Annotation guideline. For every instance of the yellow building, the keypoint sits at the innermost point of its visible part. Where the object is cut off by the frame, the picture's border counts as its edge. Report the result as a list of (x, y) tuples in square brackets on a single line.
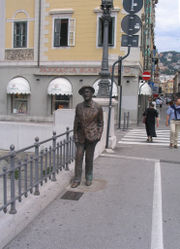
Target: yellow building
[(52, 48), (167, 87), (75, 21)]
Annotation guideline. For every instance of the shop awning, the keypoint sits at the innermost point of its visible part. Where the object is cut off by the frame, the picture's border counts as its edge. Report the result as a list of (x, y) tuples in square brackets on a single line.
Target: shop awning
[(18, 85), (114, 91), (59, 86), (144, 89)]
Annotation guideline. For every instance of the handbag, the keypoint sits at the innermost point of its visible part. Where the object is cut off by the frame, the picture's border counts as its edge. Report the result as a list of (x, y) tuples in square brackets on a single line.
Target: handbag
[(144, 119)]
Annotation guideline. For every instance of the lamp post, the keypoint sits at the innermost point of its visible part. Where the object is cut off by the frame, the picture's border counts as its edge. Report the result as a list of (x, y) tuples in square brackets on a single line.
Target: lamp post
[(106, 7)]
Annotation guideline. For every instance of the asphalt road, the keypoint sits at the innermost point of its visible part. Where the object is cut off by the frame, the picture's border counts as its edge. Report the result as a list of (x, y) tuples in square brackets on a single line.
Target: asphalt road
[(134, 203)]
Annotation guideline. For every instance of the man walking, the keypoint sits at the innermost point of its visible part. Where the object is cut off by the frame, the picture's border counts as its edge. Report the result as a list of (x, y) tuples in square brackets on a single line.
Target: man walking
[(88, 128), (173, 116)]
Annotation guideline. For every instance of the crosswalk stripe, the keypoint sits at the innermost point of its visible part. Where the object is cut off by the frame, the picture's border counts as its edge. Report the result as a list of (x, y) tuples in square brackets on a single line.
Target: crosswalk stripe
[(138, 137), (144, 138)]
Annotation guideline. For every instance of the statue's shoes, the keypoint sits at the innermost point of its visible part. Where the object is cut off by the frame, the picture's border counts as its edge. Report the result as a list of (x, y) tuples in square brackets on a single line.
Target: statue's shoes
[(75, 184), (88, 183)]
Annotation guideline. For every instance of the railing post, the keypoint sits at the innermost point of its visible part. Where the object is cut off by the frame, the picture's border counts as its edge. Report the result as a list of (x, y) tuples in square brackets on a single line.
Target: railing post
[(25, 177), (41, 168), (36, 144), (54, 157), (31, 174), (67, 149), (5, 189), (46, 163), (61, 155), (12, 165), (19, 182)]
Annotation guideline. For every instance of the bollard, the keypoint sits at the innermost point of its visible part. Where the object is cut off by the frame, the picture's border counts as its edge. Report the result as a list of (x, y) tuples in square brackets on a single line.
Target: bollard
[(127, 120), (124, 124)]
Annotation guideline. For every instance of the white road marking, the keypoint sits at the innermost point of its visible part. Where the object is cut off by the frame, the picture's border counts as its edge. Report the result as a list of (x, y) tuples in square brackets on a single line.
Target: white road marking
[(130, 157), (144, 139), (157, 217), (143, 143), (138, 137)]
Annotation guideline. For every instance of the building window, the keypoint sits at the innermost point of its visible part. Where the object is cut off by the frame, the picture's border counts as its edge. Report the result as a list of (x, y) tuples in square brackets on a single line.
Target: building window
[(19, 103), (20, 34), (64, 32), (111, 32), (59, 102)]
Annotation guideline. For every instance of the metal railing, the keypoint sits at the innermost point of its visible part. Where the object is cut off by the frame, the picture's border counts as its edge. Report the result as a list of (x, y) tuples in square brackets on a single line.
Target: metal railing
[(25, 171)]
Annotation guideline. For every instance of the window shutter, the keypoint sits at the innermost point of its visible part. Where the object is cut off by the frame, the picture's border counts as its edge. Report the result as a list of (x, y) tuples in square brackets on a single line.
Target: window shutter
[(113, 28), (15, 35), (57, 28), (100, 32), (71, 35)]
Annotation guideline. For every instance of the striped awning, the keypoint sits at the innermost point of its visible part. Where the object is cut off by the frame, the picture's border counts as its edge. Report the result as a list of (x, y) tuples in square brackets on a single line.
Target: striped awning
[(60, 86), (114, 90), (18, 85)]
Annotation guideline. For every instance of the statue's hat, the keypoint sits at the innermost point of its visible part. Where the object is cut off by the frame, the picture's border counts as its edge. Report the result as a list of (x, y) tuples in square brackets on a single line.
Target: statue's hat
[(84, 87)]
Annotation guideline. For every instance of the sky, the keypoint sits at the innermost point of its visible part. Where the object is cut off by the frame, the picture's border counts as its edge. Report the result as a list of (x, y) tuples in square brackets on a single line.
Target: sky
[(167, 27)]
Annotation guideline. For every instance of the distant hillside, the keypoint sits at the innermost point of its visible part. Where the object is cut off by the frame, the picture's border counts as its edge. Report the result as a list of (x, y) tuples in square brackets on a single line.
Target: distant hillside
[(169, 62)]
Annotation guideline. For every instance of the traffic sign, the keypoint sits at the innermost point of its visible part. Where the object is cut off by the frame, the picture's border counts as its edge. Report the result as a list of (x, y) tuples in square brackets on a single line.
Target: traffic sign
[(131, 41), (131, 24), (146, 75), (132, 6)]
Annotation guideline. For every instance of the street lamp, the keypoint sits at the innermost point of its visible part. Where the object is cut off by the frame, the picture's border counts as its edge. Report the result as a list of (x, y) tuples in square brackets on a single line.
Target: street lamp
[(106, 6)]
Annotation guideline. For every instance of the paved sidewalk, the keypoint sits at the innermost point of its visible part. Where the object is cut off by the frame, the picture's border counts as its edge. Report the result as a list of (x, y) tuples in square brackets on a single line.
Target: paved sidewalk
[(132, 204), (116, 212)]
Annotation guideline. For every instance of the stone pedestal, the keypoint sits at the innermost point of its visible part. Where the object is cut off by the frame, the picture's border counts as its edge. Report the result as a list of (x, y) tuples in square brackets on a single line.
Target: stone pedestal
[(104, 102)]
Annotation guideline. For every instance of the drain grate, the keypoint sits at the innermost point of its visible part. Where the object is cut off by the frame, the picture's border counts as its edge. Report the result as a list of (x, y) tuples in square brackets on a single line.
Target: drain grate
[(71, 195)]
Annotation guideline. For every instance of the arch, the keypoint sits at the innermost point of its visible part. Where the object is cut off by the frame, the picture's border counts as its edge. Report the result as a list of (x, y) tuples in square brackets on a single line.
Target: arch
[(59, 86), (114, 91), (18, 85), (20, 11)]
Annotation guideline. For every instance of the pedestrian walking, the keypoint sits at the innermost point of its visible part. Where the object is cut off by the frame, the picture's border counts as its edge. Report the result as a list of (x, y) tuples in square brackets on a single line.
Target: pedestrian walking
[(88, 128), (152, 100), (158, 102), (150, 119), (173, 119)]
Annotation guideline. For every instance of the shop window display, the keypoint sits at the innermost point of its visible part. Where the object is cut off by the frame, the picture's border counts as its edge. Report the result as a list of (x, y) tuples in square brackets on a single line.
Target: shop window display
[(19, 104), (59, 102)]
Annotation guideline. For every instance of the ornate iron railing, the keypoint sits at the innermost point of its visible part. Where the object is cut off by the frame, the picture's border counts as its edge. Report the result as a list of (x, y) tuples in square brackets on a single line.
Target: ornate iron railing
[(25, 170)]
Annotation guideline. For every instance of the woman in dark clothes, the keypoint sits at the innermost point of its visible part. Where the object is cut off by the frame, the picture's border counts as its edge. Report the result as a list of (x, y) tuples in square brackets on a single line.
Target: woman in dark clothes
[(151, 118)]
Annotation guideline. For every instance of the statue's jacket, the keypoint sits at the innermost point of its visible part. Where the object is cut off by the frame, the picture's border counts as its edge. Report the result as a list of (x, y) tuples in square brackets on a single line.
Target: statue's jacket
[(88, 122)]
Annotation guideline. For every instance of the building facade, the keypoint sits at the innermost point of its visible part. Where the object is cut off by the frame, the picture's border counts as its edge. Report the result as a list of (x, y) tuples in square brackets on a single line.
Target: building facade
[(50, 48), (150, 54), (176, 88)]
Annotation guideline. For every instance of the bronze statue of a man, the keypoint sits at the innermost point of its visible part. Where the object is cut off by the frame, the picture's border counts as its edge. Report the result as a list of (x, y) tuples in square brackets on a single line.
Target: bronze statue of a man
[(88, 128)]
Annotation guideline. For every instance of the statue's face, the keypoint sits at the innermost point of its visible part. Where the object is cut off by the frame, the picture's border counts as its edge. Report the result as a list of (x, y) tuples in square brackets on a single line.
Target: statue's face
[(87, 94)]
